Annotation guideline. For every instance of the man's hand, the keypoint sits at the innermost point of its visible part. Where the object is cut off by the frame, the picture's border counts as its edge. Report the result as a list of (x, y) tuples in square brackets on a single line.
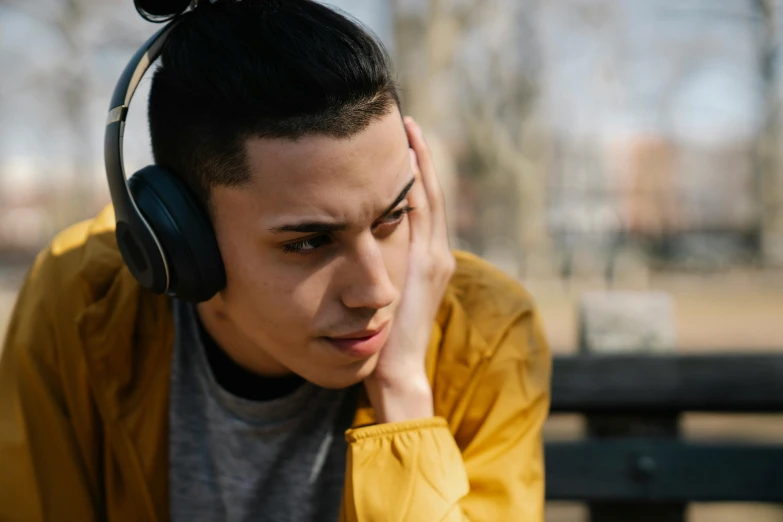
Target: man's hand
[(398, 388)]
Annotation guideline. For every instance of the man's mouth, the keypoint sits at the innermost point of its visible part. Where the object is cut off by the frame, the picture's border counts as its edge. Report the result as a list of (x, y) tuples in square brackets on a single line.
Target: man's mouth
[(361, 343)]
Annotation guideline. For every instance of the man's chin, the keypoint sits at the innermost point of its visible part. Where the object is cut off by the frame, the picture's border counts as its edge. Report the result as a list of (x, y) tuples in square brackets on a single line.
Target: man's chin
[(346, 376)]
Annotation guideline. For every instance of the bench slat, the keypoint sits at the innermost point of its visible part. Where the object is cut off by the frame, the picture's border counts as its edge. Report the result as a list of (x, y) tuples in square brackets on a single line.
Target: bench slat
[(636, 470), (663, 384)]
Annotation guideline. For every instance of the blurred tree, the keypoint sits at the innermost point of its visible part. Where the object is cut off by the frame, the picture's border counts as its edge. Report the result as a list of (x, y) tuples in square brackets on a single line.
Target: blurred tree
[(469, 74), (68, 80), (721, 180), (770, 167)]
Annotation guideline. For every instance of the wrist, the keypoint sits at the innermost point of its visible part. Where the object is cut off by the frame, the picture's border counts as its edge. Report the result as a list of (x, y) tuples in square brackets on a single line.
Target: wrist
[(397, 400)]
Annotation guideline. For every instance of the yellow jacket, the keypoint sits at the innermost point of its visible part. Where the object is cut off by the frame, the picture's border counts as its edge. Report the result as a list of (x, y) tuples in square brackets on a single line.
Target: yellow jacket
[(84, 381)]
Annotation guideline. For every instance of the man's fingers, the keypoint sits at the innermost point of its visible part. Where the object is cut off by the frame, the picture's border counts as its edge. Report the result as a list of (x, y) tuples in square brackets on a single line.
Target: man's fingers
[(420, 219), (429, 177), (429, 180)]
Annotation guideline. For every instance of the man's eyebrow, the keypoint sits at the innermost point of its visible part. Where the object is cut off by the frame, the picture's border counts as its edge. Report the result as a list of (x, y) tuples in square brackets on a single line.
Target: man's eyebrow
[(403, 194), (310, 227), (318, 227)]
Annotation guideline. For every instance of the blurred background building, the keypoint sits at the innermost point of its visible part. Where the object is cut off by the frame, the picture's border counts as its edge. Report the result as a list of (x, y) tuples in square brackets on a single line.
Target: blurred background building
[(582, 144)]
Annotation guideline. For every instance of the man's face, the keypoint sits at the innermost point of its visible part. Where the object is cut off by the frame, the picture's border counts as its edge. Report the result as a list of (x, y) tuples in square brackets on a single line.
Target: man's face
[(315, 248)]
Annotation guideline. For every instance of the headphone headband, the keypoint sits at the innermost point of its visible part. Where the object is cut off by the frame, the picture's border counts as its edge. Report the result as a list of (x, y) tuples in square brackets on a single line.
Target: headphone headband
[(118, 112), (125, 208)]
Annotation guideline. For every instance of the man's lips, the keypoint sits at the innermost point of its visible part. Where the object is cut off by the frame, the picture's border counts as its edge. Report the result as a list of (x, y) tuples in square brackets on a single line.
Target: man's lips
[(363, 343)]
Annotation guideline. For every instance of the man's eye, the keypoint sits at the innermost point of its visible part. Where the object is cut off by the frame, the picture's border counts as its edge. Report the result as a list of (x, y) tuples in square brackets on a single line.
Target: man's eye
[(396, 216), (307, 246)]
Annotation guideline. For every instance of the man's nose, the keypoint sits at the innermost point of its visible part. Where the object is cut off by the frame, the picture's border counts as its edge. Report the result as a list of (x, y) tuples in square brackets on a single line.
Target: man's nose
[(368, 284)]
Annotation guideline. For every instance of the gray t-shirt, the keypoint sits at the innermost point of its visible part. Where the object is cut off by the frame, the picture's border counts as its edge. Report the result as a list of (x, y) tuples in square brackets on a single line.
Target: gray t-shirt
[(233, 459)]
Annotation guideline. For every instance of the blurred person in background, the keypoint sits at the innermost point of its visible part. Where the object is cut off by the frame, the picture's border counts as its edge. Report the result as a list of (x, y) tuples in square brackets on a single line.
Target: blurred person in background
[(348, 366)]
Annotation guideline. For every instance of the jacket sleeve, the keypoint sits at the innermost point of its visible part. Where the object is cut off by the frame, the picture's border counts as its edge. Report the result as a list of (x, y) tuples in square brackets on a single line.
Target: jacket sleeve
[(43, 477), (488, 468)]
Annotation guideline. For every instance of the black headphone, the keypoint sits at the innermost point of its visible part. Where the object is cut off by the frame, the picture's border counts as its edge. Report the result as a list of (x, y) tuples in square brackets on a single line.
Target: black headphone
[(163, 231)]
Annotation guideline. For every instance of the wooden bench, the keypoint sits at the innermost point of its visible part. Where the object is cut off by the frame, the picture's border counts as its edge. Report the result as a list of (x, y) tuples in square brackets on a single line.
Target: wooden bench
[(633, 465)]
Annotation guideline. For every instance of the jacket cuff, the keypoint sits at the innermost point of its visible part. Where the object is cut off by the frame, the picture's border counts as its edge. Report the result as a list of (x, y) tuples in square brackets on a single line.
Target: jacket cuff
[(391, 428)]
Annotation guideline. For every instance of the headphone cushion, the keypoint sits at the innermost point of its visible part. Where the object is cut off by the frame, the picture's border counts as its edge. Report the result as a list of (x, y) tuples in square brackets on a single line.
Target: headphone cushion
[(183, 228)]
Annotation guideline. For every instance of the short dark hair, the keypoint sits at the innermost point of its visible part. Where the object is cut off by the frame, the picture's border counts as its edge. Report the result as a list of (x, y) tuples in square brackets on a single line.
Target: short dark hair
[(261, 68)]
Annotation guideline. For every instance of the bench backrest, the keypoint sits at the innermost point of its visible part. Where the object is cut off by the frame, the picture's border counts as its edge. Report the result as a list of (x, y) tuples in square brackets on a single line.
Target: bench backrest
[(633, 459)]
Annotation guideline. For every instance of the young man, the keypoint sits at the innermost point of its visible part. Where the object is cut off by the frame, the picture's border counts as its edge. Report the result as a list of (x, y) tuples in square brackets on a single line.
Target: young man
[(350, 368)]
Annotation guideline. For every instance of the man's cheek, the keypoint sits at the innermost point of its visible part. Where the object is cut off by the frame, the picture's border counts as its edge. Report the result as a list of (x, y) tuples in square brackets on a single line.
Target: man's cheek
[(400, 265), (396, 255)]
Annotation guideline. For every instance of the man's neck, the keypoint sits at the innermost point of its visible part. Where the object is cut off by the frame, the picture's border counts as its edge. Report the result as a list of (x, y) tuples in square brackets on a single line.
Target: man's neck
[(238, 380), (237, 346)]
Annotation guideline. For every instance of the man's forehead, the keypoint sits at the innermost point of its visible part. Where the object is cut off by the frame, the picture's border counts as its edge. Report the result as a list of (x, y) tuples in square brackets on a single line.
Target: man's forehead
[(372, 160), (307, 180), (378, 149), (334, 191)]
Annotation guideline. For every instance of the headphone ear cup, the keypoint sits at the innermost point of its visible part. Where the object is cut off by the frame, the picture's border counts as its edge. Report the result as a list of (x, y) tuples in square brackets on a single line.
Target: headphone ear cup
[(181, 224)]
